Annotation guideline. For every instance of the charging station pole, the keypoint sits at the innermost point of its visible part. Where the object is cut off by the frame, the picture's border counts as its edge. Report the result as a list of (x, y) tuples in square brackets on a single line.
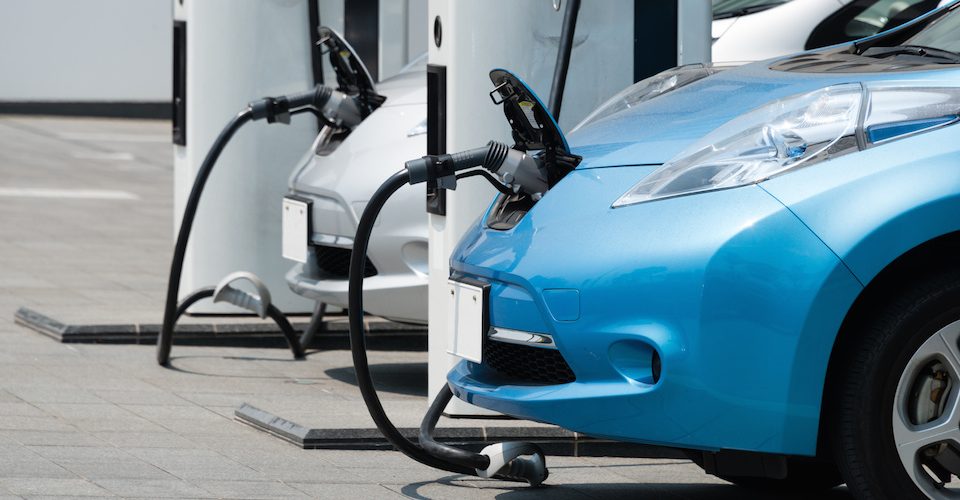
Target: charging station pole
[(616, 43), (229, 55)]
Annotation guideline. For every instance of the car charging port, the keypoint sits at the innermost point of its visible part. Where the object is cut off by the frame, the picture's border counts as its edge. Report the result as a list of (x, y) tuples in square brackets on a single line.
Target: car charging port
[(508, 210), (523, 173)]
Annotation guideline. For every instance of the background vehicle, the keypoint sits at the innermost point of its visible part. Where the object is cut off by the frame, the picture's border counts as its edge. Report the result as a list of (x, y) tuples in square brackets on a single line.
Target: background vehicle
[(339, 175), (753, 30), (776, 293)]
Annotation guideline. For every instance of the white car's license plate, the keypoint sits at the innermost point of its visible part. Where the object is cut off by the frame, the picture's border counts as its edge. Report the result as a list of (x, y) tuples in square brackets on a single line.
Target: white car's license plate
[(469, 319), (296, 228)]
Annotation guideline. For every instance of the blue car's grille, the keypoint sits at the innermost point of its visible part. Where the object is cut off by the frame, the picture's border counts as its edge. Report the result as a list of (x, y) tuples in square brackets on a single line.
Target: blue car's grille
[(531, 365)]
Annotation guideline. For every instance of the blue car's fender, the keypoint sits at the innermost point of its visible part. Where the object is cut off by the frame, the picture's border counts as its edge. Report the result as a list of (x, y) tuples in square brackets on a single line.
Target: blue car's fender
[(874, 206)]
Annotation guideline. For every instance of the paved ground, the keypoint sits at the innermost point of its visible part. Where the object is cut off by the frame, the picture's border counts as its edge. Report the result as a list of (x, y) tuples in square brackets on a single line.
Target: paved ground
[(101, 420)]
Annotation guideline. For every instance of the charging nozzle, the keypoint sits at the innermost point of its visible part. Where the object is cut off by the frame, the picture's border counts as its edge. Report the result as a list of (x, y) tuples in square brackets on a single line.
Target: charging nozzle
[(515, 461), (434, 167), (518, 170), (512, 461), (332, 105)]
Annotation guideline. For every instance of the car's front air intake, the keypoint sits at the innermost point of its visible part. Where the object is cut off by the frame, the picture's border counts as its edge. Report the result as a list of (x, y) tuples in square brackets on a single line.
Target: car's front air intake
[(528, 365), (335, 261)]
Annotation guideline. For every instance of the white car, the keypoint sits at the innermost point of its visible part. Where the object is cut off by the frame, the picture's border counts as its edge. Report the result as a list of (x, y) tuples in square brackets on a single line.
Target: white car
[(753, 30), (339, 177)]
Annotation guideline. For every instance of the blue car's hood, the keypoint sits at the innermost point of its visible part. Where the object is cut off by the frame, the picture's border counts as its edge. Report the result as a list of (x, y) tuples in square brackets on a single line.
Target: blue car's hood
[(655, 131)]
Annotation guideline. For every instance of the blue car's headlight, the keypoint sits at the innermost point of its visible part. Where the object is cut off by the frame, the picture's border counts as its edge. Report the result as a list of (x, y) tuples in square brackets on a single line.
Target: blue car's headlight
[(779, 136), (795, 132)]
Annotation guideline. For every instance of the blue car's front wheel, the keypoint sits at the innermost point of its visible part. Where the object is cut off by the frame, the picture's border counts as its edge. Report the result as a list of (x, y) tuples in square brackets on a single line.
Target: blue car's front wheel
[(898, 405)]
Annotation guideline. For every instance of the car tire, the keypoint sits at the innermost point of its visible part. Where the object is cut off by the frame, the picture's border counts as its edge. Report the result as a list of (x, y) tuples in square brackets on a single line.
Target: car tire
[(886, 380)]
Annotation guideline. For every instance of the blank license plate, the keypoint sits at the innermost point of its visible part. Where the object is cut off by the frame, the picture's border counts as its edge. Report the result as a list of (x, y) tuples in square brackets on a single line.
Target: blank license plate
[(468, 319), (296, 228)]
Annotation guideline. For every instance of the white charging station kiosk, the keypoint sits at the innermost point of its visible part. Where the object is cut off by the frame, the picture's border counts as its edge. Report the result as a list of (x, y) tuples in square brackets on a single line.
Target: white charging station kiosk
[(234, 54), (226, 55), (469, 38)]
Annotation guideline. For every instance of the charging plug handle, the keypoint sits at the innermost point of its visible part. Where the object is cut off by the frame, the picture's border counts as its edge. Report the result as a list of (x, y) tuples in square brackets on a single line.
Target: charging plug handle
[(277, 109), (432, 167), (333, 105), (517, 169), (316, 97)]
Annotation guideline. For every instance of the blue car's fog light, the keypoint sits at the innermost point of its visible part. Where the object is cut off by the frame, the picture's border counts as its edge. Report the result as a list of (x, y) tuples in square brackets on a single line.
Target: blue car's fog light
[(636, 360)]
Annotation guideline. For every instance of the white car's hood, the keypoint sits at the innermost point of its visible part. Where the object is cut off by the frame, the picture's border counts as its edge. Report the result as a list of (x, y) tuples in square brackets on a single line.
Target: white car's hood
[(408, 87)]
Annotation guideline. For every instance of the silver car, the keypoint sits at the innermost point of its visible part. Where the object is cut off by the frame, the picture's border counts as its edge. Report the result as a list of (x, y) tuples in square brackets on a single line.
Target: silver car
[(338, 178)]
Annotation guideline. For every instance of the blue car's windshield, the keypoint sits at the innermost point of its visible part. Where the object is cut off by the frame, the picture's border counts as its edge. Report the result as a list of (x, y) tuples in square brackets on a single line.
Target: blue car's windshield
[(723, 9), (944, 33)]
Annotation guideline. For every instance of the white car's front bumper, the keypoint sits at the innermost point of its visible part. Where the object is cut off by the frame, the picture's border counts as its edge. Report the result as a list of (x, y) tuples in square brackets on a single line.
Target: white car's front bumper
[(394, 297), (338, 185)]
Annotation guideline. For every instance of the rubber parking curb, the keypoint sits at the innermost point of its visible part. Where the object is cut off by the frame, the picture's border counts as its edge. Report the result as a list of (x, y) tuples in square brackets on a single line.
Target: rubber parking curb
[(554, 440), (383, 334)]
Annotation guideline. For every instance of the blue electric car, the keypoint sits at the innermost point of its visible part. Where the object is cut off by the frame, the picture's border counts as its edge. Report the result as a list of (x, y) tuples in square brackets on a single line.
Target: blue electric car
[(759, 265)]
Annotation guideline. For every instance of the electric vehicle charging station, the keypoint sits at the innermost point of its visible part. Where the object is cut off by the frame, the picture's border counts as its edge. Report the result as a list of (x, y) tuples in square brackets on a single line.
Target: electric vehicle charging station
[(230, 56), (339, 107), (460, 115)]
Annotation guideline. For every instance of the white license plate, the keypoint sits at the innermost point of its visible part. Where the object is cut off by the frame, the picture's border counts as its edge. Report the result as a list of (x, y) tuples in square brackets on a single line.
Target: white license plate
[(296, 228), (468, 320)]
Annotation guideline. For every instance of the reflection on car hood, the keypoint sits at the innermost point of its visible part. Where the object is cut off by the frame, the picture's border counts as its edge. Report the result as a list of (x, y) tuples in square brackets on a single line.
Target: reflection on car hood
[(655, 131), (409, 87)]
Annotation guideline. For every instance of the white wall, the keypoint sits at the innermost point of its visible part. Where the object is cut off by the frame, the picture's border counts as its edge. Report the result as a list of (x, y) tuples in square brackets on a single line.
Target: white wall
[(86, 50)]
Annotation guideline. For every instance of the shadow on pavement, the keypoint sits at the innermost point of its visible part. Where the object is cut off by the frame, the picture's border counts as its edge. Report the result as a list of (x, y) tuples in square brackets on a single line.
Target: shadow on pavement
[(399, 378), (613, 491)]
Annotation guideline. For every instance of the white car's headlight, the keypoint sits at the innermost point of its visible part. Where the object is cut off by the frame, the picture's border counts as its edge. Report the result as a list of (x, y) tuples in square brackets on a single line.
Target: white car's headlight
[(795, 132)]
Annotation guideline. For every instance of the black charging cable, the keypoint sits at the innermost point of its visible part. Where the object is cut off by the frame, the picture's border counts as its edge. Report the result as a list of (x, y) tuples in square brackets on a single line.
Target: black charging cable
[(434, 168), (273, 110), (358, 346)]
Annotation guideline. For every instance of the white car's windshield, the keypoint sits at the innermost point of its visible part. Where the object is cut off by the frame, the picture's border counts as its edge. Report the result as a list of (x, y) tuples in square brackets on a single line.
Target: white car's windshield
[(943, 34), (723, 9)]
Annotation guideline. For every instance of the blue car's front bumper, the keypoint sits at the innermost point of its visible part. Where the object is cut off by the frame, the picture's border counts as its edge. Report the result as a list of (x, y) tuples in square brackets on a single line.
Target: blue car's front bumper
[(738, 298)]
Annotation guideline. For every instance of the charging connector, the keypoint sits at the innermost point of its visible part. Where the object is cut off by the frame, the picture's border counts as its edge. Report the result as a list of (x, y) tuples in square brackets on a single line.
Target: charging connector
[(517, 170), (332, 106)]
